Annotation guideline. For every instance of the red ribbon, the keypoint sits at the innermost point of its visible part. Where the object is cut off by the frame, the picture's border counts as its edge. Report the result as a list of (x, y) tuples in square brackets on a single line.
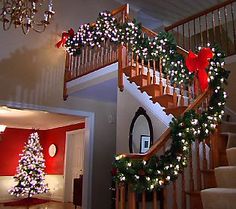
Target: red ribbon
[(198, 64), (64, 37)]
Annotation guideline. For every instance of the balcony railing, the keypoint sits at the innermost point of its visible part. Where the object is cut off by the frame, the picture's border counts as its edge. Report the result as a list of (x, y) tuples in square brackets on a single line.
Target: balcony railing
[(214, 25)]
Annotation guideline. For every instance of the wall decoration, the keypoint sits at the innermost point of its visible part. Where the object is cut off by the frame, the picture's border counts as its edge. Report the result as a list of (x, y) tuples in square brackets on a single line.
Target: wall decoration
[(141, 125), (52, 150), (145, 142)]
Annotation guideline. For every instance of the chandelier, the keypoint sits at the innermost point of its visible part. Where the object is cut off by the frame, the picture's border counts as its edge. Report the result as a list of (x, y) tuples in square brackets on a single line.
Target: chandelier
[(27, 14)]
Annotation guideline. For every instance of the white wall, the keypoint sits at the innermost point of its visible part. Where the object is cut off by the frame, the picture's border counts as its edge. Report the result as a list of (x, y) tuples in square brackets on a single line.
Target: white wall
[(127, 104), (230, 88)]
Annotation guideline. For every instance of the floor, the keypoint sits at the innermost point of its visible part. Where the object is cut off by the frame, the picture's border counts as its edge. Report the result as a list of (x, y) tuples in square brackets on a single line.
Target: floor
[(49, 205)]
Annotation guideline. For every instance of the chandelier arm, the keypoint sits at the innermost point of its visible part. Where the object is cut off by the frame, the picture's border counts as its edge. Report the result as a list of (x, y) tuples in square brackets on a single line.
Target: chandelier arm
[(38, 30), (22, 13)]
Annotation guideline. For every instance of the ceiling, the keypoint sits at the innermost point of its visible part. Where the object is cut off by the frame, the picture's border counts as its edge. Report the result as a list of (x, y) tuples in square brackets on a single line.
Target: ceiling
[(28, 119), (156, 14)]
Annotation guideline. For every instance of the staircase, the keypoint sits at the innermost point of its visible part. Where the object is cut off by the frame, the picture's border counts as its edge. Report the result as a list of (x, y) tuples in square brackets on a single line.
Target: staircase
[(223, 195), (177, 184)]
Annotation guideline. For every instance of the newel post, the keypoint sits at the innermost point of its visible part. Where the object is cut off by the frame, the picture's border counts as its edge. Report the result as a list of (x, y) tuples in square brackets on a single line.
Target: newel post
[(121, 66), (215, 137)]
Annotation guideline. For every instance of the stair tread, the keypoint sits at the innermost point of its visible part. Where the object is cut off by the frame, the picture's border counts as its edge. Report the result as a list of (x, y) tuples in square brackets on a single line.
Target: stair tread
[(218, 190), (176, 111), (137, 77), (231, 156), (164, 95), (152, 90), (219, 198), (143, 88)]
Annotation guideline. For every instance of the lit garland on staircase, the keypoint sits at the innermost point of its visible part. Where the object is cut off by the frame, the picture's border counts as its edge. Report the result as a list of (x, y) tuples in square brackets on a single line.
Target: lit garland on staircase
[(158, 170), (107, 28), (161, 170)]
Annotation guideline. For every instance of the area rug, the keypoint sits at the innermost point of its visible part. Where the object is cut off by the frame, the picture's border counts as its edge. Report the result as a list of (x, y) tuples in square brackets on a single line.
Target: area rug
[(26, 202)]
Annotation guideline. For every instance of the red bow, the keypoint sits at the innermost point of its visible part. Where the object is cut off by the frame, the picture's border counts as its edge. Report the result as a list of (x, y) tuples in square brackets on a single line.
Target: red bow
[(198, 64), (64, 37)]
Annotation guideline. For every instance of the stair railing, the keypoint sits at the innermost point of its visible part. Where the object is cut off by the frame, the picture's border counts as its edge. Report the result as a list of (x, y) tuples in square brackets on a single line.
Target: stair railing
[(150, 73), (214, 25), (190, 180), (92, 59)]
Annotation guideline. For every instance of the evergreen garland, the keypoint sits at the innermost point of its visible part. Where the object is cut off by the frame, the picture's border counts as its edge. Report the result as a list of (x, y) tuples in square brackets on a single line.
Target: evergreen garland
[(158, 170), (106, 28)]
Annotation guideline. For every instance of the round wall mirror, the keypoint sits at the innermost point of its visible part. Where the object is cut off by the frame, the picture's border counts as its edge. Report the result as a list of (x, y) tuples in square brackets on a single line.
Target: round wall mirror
[(140, 133)]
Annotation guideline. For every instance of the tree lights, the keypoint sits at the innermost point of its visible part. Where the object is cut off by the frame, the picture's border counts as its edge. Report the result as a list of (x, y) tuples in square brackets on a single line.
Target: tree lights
[(30, 175)]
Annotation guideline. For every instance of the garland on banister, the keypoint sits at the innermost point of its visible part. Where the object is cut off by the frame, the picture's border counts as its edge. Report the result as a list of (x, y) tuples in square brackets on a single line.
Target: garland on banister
[(107, 28), (159, 171), (207, 66)]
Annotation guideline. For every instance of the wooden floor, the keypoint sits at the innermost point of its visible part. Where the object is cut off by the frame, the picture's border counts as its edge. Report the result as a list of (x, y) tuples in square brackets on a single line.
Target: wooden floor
[(49, 205)]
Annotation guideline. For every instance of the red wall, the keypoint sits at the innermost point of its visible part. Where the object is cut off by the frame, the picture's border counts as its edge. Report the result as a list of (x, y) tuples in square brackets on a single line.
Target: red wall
[(57, 136), (13, 141)]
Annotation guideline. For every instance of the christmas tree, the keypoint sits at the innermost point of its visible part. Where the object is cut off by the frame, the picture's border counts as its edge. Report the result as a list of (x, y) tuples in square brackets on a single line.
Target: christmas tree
[(30, 175)]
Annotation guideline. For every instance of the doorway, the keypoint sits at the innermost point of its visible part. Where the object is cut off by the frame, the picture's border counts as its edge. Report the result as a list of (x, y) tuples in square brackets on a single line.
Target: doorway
[(74, 161)]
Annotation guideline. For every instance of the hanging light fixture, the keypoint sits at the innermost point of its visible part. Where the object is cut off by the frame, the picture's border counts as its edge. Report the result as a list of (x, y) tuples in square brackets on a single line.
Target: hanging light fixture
[(26, 13)]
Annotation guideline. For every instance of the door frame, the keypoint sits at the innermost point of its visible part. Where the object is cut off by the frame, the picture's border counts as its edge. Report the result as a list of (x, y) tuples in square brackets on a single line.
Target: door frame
[(66, 152), (88, 140)]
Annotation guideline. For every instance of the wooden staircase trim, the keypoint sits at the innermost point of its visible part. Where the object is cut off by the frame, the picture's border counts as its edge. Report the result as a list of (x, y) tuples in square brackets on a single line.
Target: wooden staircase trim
[(139, 79), (165, 100), (175, 111), (151, 89)]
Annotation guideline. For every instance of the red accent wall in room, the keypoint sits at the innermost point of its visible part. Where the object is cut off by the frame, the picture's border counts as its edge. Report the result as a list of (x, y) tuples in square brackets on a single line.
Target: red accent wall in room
[(11, 146), (57, 136), (13, 141)]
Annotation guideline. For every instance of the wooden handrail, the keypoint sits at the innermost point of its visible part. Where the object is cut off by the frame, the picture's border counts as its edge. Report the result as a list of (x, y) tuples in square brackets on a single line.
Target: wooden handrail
[(149, 32), (120, 9), (166, 135), (192, 17)]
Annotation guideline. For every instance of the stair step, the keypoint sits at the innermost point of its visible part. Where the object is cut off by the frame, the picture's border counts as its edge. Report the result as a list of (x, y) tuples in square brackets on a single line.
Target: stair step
[(209, 179), (231, 156), (228, 127), (129, 71), (225, 176), (175, 111), (218, 198), (140, 80), (152, 90), (165, 100)]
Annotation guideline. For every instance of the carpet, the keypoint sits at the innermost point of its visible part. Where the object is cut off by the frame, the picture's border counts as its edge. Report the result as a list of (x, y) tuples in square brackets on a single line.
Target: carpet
[(26, 202)]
